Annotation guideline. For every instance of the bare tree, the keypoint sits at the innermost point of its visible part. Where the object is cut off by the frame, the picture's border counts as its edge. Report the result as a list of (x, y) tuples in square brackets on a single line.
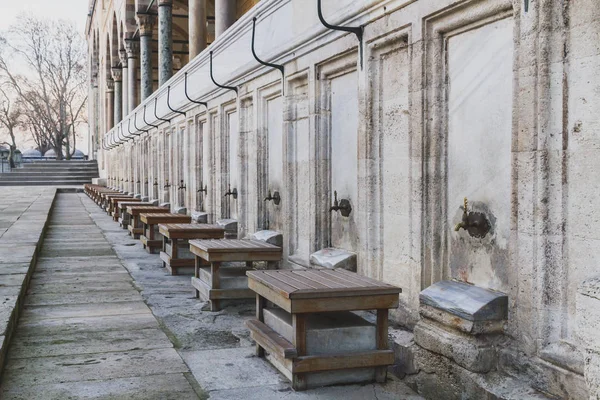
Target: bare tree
[(10, 119), (52, 90)]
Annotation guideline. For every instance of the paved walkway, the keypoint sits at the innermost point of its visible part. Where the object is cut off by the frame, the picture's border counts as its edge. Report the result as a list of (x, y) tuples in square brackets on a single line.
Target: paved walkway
[(104, 320), (85, 331)]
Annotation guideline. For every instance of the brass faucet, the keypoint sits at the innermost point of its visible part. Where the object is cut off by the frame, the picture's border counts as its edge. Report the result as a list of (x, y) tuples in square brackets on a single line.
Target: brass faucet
[(182, 186), (343, 206), (276, 198), (167, 184), (155, 182), (476, 223), (202, 189)]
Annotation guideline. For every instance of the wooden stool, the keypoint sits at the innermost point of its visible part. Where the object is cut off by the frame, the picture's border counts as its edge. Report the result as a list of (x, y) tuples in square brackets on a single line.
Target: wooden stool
[(135, 226), (120, 213), (302, 292), (176, 238), (113, 201), (150, 227), (207, 281)]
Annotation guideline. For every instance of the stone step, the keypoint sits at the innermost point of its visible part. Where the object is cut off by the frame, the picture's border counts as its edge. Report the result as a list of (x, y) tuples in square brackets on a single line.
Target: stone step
[(45, 183), (37, 177)]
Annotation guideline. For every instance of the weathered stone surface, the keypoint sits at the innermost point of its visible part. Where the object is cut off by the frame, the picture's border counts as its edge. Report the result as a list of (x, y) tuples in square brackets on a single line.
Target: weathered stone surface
[(466, 301), (475, 353), (271, 237), (167, 386), (199, 217), (334, 258), (464, 325), (403, 344)]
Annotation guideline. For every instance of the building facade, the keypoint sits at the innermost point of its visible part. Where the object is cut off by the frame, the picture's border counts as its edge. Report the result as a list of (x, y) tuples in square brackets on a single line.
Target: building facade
[(423, 104)]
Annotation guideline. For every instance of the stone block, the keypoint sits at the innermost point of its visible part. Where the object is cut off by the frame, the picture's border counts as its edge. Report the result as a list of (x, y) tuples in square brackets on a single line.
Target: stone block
[(181, 210), (230, 226), (469, 302), (474, 353), (137, 196), (327, 333), (200, 217), (145, 199), (155, 202), (588, 324), (441, 379), (334, 258), (271, 237), (463, 325), (404, 347), (168, 205)]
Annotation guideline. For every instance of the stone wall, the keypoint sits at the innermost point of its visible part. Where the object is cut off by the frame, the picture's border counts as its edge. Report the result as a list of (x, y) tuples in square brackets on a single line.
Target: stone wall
[(440, 100)]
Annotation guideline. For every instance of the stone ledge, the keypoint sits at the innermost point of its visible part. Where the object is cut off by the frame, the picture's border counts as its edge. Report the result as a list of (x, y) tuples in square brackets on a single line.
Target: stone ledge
[(334, 258), (32, 237), (469, 302), (474, 353)]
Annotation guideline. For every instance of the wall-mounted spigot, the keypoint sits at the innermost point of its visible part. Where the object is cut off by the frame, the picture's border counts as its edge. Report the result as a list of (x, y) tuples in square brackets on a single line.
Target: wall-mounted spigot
[(182, 186), (202, 189), (233, 193), (167, 184), (276, 198), (138, 181), (155, 182), (146, 181), (476, 223), (343, 206)]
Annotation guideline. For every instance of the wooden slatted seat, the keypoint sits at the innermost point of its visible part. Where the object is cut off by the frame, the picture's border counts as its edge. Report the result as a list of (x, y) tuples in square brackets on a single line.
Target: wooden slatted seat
[(113, 201), (106, 197), (175, 250), (302, 293), (210, 282), (150, 223), (135, 225), (120, 212)]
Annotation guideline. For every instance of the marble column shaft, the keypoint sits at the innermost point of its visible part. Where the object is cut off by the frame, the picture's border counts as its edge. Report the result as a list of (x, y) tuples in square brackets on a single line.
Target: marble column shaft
[(146, 23), (117, 74), (110, 101), (125, 83), (165, 41), (132, 47), (224, 15), (197, 27)]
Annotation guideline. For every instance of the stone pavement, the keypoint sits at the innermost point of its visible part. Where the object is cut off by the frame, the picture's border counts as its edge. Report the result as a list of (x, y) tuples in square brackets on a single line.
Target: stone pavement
[(85, 331), (116, 326)]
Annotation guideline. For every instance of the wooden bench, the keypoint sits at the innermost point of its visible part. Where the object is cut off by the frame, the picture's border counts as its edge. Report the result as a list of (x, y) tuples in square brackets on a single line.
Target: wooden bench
[(106, 197), (207, 280), (303, 292), (120, 213), (113, 201), (135, 227), (150, 224), (176, 243)]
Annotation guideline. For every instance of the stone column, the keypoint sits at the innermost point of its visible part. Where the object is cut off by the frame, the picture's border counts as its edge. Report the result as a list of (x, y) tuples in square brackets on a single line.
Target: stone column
[(197, 27), (132, 48), (224, 15), (110, 104), (117, 75), (146, 23), (165, 41), (125, 83)]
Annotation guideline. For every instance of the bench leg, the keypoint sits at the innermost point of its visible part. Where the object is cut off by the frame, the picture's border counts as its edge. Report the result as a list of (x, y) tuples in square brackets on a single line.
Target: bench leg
[(164, 249), (382, 341), (260, 304), (215, 284), (197, 265), (299, 341), (174, 244)]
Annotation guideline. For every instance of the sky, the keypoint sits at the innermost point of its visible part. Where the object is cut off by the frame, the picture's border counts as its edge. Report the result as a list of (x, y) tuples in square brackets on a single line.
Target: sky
[(73, 10)]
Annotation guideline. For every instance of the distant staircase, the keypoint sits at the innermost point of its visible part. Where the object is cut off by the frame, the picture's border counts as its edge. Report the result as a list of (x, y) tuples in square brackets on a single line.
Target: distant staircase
[(51, 173)]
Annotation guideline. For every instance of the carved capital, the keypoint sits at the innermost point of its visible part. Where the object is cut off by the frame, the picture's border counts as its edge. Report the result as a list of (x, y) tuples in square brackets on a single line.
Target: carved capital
[(117, 74), (132, 48), (146, 23), (123, 57)]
